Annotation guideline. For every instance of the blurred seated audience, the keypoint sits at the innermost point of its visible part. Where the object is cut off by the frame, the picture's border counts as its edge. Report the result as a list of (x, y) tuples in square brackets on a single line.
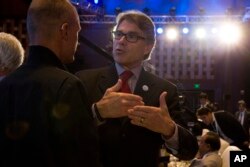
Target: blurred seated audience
[(223, 143), (226, 125), (11, 54), (209, 145)]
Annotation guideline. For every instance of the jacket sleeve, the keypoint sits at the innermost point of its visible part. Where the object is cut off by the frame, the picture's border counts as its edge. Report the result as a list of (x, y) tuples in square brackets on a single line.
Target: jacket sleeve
[(73, 126), (188, 145)]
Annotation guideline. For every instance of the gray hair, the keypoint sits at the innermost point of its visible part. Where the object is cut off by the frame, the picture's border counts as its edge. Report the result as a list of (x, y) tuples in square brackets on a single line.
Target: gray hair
[(11, 52), (143, 21)]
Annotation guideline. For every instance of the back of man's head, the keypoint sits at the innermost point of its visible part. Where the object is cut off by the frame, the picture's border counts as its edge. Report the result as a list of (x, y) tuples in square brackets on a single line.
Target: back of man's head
[(45, 17)]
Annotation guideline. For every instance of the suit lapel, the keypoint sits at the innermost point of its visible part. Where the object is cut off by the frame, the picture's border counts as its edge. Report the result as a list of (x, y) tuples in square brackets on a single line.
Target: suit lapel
[(108, 78), (145, 86)]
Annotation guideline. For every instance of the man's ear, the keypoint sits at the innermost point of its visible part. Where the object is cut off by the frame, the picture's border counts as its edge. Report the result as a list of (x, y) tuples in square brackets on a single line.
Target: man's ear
[(209, 146), (148, 49), (64, 31)]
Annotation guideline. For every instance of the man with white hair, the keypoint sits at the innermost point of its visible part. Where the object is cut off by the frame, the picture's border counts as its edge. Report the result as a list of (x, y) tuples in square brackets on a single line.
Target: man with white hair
[(11, 54)]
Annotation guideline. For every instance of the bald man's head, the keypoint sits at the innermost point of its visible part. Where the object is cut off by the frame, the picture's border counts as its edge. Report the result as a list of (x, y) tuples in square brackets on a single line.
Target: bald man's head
[(54, 24), (46, 16)]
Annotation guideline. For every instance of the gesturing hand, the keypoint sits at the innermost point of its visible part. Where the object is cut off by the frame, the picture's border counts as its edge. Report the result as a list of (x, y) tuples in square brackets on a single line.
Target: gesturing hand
[(156, 119), (116, 104)]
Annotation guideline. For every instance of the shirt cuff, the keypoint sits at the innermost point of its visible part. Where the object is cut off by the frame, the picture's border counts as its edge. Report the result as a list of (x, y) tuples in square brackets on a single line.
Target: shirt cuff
[(96, 115), (93, 111), (172, 143)]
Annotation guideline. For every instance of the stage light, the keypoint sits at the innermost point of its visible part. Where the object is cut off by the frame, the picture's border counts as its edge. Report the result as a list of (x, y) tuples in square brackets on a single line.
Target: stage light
[(185, 30), (159, 30), (96, 1), (230, 33), (172, 33), (214, 30), (200, 33)]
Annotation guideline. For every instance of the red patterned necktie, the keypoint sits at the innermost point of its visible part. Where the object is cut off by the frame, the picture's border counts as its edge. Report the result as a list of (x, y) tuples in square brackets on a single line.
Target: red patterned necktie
[(124, 77)]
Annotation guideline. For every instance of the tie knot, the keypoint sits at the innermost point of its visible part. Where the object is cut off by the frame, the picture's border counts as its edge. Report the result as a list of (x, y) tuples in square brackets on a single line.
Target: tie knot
[(126, 75)]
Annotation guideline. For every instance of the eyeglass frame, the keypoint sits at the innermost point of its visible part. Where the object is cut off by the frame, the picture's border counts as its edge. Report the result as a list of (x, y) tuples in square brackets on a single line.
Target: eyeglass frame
[(138, 37)]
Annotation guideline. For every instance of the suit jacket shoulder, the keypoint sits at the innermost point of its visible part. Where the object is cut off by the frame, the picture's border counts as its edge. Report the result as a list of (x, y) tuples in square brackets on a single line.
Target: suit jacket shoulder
[(97, 81)]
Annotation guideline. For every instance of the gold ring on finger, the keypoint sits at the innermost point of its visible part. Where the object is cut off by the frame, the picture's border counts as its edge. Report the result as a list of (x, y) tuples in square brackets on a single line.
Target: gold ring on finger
[(141, 120)]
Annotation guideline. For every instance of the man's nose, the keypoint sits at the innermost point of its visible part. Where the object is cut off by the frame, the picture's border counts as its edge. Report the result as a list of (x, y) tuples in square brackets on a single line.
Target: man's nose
[(122, 39)]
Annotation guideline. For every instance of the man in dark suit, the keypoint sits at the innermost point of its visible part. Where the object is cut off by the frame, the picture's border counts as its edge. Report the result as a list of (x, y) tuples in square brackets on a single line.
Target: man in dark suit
[(44, 117), (133, 127), (243, 115), (203, 99), (226, 125)]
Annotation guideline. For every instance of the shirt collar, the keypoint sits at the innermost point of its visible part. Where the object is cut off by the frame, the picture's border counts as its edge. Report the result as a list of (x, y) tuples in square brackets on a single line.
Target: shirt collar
[(136, 71), (41, 55)]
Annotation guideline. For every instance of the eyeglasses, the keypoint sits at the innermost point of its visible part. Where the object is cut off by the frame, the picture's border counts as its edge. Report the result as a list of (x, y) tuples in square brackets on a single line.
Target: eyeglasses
[(130, 37)]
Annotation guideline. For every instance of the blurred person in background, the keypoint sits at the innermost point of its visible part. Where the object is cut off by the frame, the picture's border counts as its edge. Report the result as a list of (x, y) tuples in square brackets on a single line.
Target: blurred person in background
[(243, 115), (186, 117), (207, 156), (11, 54), (226, 125), (203, 99)]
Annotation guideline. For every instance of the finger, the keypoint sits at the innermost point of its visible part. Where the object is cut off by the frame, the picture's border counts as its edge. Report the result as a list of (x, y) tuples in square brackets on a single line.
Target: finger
[(137, 114), (138, 123), (114, 88), (146, 109), (131, 97), (163, 104), (131, 104), (133, 117)]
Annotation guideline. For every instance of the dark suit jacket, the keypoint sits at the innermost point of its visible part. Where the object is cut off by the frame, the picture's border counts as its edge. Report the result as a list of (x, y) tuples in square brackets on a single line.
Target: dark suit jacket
[(124, 144), (44, 118), (230, 126), (246, 120)]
